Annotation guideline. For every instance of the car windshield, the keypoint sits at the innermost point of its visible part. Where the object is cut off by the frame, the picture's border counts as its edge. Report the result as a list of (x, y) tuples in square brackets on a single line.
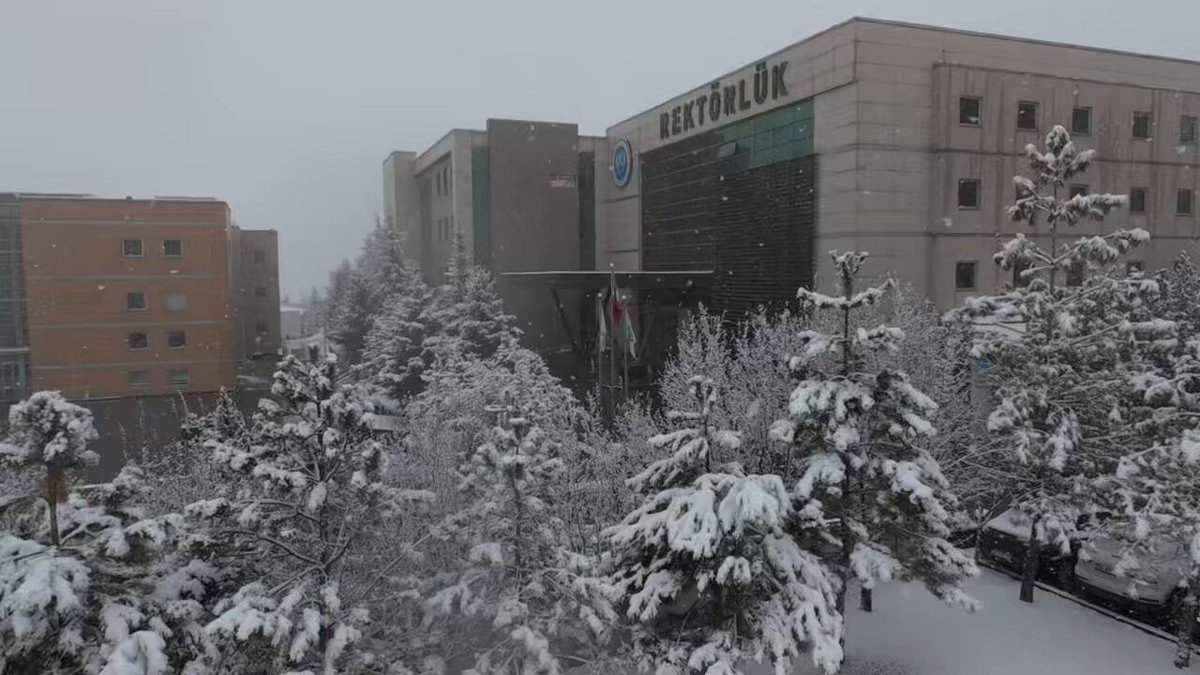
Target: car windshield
[(523, 337)]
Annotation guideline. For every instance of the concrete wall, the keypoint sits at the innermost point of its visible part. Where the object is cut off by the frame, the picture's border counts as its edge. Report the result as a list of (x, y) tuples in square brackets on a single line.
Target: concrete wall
[(77, 278), (258, 292), (534, 216), (401, 201)]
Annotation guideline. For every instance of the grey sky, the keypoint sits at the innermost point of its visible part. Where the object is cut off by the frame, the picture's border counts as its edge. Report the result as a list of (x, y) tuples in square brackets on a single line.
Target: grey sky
[(286, 108)]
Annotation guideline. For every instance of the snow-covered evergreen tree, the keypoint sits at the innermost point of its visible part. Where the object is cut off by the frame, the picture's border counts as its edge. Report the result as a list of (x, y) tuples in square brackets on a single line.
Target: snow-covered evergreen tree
[(93, 583), (314, 498), (861, 436), (1061, 355), (713, 577), (519, 597), (394, 356)]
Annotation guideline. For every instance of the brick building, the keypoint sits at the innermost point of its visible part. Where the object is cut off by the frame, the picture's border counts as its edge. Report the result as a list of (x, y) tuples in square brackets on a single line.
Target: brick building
[(126, 297)]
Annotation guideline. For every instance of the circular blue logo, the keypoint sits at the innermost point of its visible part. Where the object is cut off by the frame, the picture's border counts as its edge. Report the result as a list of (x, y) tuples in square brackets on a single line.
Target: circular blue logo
[(622, 163)]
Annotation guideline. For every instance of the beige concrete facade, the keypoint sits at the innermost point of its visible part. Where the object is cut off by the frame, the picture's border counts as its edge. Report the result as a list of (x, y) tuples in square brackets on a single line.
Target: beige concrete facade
[(891, 150)]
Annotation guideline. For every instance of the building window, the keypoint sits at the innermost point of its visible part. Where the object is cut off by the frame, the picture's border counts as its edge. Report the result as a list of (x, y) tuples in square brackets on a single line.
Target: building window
[(132, 248), (1027, 115), (438, 180), (178, 379), (1134, 267), (139, 381), (260, 291), (135, 300), (1019, 278), (1189, 129), (446, 180), (138, 341), (175, 302), (1137, 200), (964, 275), (1081, 121), (1141, 125), (173, 248), (968, 193), (968, 110), (261, 328), (1183, 202), (260, 256), (1079, 190), (176, 339)]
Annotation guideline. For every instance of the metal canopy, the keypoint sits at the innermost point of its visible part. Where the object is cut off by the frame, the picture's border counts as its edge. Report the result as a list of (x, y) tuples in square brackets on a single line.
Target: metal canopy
[(593, 279)]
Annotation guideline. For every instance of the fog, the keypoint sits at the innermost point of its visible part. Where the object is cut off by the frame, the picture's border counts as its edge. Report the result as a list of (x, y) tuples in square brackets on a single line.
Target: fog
[(286, 109)]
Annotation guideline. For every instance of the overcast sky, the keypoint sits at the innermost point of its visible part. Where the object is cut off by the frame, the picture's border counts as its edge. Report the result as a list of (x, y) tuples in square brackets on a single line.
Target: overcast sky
[(286, 108)]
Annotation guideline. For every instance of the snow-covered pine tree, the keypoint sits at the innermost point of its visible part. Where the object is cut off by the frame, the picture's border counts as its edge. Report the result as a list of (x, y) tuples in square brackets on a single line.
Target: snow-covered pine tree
[(466, 316), (713, 578), (393, 356), (519, 599), (1061, 355), (860, 435), (92, 583), (352, 319), (313, 501), (50, 435)]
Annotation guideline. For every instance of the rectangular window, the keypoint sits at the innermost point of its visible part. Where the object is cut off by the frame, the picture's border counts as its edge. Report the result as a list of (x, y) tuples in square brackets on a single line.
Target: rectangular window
[(260, 327), (1027, 115), (176, 339), (138, 341), (968, 111), (132, 248), (1079, 190), (1134, 267), (1137, 200), (964, 275), (173, 248), (1141, 125), (139, 381), (1020, 279), (135, 300), (968, 193), (1081, 121), (1189, 129), (260, 256), (1183, 202), (175, 302), (260, 291), (178, 379)]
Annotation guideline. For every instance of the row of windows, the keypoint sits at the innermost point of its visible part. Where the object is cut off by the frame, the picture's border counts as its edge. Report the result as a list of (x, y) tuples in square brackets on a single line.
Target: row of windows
[(133, 248), (969, 197), (173, 302), (140, 340), (139, 380), (965, 272), (444, 227), (970, 113), (443, 180)]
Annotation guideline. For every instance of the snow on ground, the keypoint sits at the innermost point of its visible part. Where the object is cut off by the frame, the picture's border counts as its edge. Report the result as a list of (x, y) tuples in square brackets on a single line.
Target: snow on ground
[(911, 633)]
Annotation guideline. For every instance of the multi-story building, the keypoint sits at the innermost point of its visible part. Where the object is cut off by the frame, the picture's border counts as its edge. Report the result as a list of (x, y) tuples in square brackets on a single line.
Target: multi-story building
[(521, 196), (256, 275), (900, 140), (112, 298)]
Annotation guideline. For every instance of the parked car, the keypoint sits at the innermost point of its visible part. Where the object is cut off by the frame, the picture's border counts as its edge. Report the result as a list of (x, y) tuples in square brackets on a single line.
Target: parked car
[(1003, 541), (1150, 590)]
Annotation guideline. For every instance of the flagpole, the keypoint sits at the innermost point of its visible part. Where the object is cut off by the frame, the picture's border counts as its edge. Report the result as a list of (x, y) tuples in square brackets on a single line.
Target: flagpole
[(612, 355)]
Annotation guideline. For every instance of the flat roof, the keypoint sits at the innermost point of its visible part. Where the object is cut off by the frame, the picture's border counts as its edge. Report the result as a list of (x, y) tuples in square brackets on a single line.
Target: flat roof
[(919, 26), (84, 196)]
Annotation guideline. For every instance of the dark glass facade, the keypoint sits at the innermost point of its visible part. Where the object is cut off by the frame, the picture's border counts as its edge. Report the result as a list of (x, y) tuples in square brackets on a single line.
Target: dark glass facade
[(740, 200)]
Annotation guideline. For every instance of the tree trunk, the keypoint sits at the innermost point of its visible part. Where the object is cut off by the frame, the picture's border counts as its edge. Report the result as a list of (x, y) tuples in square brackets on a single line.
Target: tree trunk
[(865, 600), (55, 485), (1030, 570), (1185, 627)]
